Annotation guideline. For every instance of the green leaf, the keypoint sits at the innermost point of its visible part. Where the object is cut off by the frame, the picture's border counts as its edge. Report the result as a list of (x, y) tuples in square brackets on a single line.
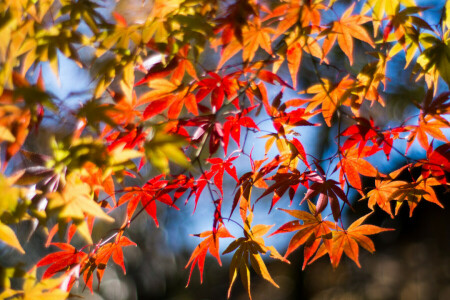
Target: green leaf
[(164, 147), (436, 59)]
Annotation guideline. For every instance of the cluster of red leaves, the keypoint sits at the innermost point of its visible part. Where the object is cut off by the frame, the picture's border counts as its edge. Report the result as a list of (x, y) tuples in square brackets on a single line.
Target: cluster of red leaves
[(72, 261)]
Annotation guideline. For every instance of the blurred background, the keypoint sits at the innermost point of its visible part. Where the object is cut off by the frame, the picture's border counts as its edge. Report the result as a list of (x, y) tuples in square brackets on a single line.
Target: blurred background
[(412, 262)]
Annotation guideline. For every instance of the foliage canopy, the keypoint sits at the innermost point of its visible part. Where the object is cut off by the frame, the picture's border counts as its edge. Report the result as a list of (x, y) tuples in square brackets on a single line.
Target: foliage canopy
[(224, 74)]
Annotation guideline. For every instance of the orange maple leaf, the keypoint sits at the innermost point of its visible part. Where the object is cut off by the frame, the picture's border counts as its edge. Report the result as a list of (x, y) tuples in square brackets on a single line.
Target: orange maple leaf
[(330, 96), (347, 241), (311, 233), (211, 243), (344, 30)]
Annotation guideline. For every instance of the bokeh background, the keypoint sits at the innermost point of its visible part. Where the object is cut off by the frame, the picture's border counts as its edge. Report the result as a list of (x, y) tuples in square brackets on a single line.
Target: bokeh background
[(412, 262)]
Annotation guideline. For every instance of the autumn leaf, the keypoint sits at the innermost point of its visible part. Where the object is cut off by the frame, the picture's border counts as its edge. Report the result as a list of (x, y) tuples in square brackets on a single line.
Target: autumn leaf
[(436, 106), (155, 189), (360, 134), (381, 195), (235, 18), (311, 229), (435, 59), (218, 167), (218, 87), (254, 36), (426, 126), (329, 96), (8, 236), (344, 30), (351, 166), (75, 203), (50, 288), (437, 163), (165, 147), (160, 89), (348, 242), (328, 192), (252, 245), (380, 8), (232, 127), (284, 182), (98, 261), (62, 261), (296, 44), (211, 244), (403, 22), (414, 192), (292, 12)]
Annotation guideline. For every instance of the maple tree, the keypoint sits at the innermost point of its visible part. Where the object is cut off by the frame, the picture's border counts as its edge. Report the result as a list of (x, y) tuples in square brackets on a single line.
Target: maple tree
[(191, 117)]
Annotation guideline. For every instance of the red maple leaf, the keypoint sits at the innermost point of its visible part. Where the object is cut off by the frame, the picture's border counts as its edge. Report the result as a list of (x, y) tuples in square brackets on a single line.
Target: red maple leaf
[(62, 261), (232, 127), (154, 190), (219, 87), (218, 167), (437, 163)]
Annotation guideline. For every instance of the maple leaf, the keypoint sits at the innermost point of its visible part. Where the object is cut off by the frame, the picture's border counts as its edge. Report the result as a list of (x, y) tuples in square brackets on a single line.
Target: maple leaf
[(130, 138), (401, 191), (344, 30), (311, 232), (328, 191), (329, 96), (219, 87), (98, 260), (289, 14), (232, 127), (247, 181), (14, 124), (154, 190), (207, 126), (382, 194), (297, 43), (49, 288), (360, 134), (402, 23), (165, 147), (437, 163), (211, 244), (281, 118), (218, 167), (254, 36), (347, 241), (380, 8), (435, 59), (413, 192), (8, 237), (252, 245), (284, 181), (235, 18), (75, 203), (63, 260), (368, 82), (436, 107), (160, 89), (160, 70), (351, 165), (426, 126)]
